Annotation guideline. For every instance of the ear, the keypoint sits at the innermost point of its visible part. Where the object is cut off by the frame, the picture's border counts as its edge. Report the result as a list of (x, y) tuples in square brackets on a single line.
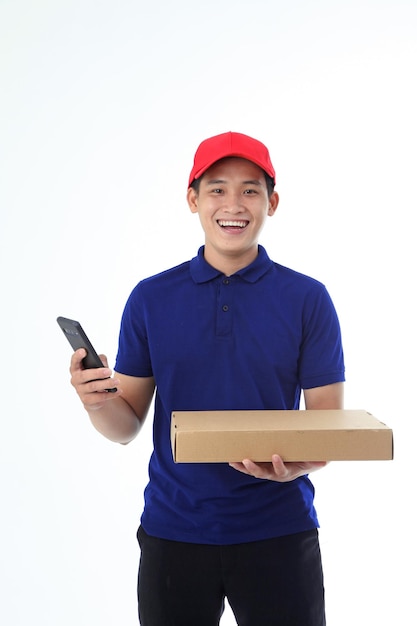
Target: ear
[(192, 199), (273, 203)]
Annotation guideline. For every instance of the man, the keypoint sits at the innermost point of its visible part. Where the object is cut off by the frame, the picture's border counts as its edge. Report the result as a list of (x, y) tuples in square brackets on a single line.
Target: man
[(228, 330)]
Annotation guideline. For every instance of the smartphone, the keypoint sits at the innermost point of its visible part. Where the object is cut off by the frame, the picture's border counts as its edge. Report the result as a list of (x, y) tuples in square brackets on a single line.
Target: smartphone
[(77, 337)]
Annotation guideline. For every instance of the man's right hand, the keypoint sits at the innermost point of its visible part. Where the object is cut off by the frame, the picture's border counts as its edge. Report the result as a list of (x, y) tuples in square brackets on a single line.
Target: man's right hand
[(91, 384)]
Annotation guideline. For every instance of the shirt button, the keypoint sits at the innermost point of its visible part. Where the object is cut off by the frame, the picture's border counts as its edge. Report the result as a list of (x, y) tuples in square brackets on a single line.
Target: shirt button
[(225, 307), (226, 281)]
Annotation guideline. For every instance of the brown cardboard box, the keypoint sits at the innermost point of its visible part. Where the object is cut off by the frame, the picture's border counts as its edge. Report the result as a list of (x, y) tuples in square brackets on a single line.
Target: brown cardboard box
[(310, 435)]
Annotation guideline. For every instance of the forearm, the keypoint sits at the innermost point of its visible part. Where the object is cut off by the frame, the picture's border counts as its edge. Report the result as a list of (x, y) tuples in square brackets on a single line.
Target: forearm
[(119, 415), (116, 420)]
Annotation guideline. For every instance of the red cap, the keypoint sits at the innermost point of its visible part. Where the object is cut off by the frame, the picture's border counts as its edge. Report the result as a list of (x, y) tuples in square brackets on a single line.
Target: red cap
[(230, 145)]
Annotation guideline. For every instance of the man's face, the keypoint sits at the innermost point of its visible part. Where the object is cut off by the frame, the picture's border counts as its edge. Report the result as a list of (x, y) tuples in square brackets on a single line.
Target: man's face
[(232, 204)]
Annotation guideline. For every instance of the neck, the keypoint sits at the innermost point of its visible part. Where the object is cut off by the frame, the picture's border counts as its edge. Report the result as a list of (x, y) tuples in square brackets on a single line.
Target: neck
[(230, 263)]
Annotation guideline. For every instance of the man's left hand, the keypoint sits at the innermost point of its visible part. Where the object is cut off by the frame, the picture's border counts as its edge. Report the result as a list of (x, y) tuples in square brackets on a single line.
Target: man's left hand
[(278, 470)]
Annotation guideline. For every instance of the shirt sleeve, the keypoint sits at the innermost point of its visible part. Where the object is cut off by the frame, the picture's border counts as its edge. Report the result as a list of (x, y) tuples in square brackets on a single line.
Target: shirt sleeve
[(133, 356), (321, 355)]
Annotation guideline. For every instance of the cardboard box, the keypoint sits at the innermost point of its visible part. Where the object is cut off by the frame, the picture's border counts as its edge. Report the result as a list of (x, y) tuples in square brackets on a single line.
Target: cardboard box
[(310, 435)]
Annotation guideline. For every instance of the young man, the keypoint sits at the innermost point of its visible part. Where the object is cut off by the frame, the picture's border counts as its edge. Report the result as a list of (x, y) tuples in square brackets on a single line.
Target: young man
[(229, 329)]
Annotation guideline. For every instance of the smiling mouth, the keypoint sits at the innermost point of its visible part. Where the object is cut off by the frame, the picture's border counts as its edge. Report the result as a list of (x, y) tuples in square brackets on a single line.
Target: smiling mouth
[(232, 223)]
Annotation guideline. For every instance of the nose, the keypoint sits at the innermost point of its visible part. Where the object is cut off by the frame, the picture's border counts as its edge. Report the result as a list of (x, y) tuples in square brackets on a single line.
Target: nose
[(233, 203)]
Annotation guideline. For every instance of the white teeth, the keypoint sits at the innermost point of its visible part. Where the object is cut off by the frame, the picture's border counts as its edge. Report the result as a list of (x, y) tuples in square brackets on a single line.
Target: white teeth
[(232, 223)]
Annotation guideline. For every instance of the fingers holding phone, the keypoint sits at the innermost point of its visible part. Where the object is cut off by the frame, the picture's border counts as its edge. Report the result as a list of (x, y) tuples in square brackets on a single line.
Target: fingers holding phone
[(92, 384), (89, 372)]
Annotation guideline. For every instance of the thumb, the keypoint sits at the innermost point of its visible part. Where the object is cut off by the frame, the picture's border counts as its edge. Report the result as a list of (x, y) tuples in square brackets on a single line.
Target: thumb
[(104, 360)]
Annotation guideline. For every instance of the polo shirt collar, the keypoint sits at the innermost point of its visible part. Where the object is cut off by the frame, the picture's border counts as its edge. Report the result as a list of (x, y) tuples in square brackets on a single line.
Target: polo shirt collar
[(202, 272)]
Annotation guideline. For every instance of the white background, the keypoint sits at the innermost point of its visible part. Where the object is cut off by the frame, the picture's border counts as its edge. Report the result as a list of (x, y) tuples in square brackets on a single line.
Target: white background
[(102, 105)]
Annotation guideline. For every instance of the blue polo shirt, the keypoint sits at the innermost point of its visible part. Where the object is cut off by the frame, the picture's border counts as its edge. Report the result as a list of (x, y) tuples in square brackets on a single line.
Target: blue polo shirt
[(252, 340)]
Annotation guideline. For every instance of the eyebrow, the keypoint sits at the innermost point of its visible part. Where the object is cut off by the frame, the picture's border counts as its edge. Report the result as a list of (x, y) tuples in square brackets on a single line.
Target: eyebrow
[(219, 181)]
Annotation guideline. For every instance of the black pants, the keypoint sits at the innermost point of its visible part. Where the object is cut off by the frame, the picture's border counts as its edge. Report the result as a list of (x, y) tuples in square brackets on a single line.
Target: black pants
[(277, 582)]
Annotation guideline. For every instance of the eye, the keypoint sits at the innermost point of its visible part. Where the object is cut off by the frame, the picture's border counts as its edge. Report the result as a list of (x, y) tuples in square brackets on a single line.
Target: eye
[(250, 191), (216, 190)]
